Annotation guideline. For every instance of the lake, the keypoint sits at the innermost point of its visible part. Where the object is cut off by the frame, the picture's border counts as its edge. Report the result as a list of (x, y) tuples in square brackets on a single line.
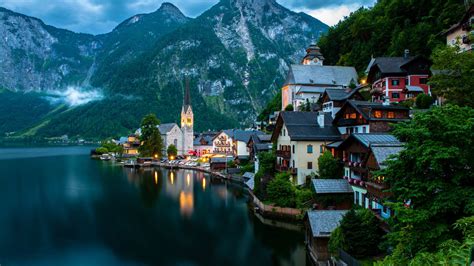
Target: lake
[(59, 207)]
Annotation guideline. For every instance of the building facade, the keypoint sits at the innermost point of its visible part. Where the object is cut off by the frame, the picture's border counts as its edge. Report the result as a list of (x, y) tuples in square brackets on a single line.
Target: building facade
[(396, 79), (462, 33)]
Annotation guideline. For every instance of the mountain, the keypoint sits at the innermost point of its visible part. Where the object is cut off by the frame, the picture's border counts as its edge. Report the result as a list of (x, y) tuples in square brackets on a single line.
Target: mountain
[(236, 55)]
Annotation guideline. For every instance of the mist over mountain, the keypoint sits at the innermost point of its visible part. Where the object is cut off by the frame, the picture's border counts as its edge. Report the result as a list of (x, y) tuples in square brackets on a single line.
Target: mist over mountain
[(235, 54)]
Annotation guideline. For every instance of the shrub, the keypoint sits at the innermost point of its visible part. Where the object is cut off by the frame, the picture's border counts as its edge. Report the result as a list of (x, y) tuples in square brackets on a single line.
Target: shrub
[(289, 107), (329, 167), (172, 150), (101, 150), (280, 191), (303, 196), (423, 101)]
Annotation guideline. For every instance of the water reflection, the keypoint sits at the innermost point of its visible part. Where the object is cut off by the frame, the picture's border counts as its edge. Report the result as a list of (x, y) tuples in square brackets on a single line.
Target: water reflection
[(119, 216)]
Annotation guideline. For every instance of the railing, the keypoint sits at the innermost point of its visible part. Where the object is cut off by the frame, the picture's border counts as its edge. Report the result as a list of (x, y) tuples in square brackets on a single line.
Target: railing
[(348, 259), (283, 154), (378, 189)]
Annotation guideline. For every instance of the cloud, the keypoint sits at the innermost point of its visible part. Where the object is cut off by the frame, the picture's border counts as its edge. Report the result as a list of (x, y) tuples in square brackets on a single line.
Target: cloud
[(73, 96), (101, 16)]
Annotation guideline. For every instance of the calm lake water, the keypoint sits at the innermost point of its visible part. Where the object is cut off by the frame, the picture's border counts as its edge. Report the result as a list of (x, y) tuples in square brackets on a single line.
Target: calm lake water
[(59, 207)]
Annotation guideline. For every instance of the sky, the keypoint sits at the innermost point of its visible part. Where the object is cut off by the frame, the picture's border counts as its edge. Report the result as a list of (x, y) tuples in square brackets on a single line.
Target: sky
[(101, 16)]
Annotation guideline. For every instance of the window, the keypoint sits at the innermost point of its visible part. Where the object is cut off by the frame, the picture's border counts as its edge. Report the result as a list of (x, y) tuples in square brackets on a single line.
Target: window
[(321, 149), (353, 116), (357, 198), (364, 130), (395, 82), (310, 165), (423, 81), (284, 132), (293, 163), (309, 149), (293, 148), (391, 115), (356, 130), (395, 95), (378, 114)]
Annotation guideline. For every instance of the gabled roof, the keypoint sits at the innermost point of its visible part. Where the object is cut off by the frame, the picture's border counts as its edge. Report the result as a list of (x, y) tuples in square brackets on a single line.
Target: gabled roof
[(166, 128), (322, 223), (393, 65), (330, 186), (464, 19), (340, 94), (383, 152), (414, 89), (244, 135), (304, 126), (321, 75), (365, 108)]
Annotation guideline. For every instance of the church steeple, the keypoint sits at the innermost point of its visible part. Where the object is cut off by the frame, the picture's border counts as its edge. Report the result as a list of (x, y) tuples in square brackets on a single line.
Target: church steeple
[(187, 120), (313, 56), (187, 95)]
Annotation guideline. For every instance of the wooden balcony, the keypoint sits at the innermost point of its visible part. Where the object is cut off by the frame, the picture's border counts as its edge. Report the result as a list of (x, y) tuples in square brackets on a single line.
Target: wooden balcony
[(378, 190), (283, 154), (281, 168)]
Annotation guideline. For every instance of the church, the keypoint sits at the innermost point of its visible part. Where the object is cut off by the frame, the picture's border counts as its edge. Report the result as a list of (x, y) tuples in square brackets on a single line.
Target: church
[(181, 137)]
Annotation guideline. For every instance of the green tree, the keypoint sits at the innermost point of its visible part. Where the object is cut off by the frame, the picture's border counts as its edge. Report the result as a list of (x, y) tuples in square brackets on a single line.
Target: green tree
[(423, 101), (172, 151), (329, 167), (453, 77), (359, 234), (280, 191), (433, 175), (273, 106), (152, 144), (101, 150), (265, 172), (289, 108)]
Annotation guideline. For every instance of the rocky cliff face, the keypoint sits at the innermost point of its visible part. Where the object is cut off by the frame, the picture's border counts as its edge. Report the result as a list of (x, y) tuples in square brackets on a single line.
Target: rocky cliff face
[(236, 55)]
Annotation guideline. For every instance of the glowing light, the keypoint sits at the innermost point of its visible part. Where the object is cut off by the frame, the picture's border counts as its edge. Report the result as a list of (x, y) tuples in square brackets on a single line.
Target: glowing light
[(186, 203), (172, 178), (156, 178), (156, 156), (188, 180), (203, 184), (171, 157), (363, 81)]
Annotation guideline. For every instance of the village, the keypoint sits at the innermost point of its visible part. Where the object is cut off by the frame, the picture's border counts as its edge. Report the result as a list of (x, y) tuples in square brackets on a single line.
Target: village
[(322, 155)]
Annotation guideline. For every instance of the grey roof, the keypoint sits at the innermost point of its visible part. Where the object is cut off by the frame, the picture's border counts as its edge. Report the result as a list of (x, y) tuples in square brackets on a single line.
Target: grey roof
[(310, 89), (165, 128), (250, 183), (304, 126), (340, 94), (329, 186), (383, 152), (265, 137), (414, 89), (248, 175), (335, 144), (321, 75), (244, 135), (263, 147), (322, 223), (389, 64), (368, 139)]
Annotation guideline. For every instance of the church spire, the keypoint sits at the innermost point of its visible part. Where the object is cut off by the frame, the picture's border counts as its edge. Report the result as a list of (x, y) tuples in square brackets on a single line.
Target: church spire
[(187, 95)]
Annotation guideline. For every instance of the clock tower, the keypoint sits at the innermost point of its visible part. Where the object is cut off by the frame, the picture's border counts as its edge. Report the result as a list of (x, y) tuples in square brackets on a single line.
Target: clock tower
[(313, 56), (187, 122)]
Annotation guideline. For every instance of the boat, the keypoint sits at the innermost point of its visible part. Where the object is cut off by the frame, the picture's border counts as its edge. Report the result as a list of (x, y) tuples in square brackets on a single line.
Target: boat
[(130, 164)]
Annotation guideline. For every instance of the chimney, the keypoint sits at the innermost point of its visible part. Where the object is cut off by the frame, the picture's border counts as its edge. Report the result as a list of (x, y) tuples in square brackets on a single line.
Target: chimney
[(321, 119), (407, 54)]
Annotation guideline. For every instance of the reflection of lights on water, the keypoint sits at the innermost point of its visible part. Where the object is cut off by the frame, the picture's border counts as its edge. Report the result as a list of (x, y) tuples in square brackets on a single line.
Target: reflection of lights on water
[(188, 180), (203, 184), (172, 178), (186, 203), (156, 177)]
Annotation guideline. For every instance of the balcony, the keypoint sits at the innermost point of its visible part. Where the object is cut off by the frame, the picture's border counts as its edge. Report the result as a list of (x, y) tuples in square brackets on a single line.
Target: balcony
[(293, 171), (378, 190), (281, 168), (283, 154)]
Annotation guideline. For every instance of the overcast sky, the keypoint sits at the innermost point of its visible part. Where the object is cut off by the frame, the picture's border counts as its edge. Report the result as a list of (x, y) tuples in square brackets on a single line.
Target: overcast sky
[(101, 16)]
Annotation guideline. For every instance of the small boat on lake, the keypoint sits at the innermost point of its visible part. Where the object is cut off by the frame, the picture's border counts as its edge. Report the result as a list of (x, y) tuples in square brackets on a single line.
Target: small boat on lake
[(106, 157), (130, 164)]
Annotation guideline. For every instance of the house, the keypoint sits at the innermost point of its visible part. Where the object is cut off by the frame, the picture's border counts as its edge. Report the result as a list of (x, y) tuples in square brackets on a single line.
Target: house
[(308, 81), (258, 143), (396, 79), (203, 143), (332, 194), (368, 117), (300, 138), (130, 145), (171, 134), (333, 99), (219, 163), (319, 225), (462, 33), (363, 154), (233, 142)]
